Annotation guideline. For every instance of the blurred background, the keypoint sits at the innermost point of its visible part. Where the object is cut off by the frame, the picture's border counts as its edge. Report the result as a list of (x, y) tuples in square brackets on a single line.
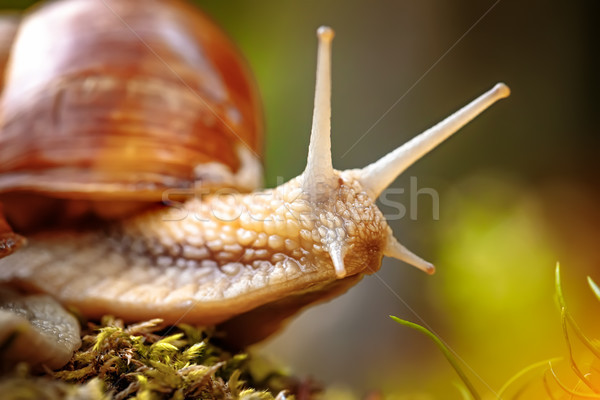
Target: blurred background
[(518, 187)]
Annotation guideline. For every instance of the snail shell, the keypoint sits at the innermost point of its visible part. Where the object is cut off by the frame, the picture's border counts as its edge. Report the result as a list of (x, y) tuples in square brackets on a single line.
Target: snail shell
[(9, 241), (113, 100), (244, 261), (8, 27)]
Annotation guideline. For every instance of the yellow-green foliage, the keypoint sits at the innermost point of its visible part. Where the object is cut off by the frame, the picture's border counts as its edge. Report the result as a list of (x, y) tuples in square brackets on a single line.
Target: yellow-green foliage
[(586, 384), (145, 361)]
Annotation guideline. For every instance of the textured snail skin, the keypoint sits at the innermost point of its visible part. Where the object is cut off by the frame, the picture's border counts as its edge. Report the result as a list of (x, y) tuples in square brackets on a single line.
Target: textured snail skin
[(37, 328), (210, 259)]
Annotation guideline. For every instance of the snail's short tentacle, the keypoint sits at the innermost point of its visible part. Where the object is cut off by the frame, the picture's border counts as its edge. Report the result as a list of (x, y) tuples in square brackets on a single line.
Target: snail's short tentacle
[(394, 249), (380, 174), (337, 251)]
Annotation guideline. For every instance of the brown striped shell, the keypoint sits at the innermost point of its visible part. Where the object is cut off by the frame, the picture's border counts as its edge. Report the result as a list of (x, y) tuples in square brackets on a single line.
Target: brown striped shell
[(8, 27), (118, 100), (9, 23)]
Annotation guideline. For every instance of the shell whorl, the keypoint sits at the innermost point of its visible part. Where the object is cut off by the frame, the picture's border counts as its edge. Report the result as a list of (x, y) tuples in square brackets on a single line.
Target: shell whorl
[(122, 102)]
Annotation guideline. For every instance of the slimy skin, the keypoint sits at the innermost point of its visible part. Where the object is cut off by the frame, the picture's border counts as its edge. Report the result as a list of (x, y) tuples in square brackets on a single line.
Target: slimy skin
[(37, 329), (217, 257)]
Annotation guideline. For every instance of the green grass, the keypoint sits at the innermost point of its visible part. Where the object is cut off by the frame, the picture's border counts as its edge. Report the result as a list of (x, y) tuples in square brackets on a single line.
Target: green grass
[(586, 388)]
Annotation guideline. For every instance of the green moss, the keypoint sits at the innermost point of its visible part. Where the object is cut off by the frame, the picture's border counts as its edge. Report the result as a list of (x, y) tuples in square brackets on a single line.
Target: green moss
[(146, 361)]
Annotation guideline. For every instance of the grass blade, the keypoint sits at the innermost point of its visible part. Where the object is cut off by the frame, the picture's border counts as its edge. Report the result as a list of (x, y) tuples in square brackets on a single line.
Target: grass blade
[(563, 306), (558, 287), (572, 362), (594, 287), (445, 350), (569, 391), (523, 372)]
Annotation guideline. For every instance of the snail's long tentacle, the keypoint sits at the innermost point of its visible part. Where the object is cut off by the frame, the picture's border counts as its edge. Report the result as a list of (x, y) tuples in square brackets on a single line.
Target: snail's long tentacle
[(380, 174), (319, 178)]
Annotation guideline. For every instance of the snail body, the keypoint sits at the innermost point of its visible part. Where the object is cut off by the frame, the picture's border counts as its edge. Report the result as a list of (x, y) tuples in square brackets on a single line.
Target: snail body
[(224, 258), (246, 261)]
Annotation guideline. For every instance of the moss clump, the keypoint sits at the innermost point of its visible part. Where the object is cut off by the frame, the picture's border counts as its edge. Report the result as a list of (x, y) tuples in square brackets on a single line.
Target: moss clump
[(146, 361)]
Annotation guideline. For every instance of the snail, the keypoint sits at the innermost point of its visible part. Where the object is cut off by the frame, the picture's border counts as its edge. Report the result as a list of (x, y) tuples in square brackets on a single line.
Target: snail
[(140, 107)]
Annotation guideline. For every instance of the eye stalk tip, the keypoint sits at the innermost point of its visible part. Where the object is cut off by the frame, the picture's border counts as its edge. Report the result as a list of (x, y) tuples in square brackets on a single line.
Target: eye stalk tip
[(429, 269), (502, 90), (325, 33)]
